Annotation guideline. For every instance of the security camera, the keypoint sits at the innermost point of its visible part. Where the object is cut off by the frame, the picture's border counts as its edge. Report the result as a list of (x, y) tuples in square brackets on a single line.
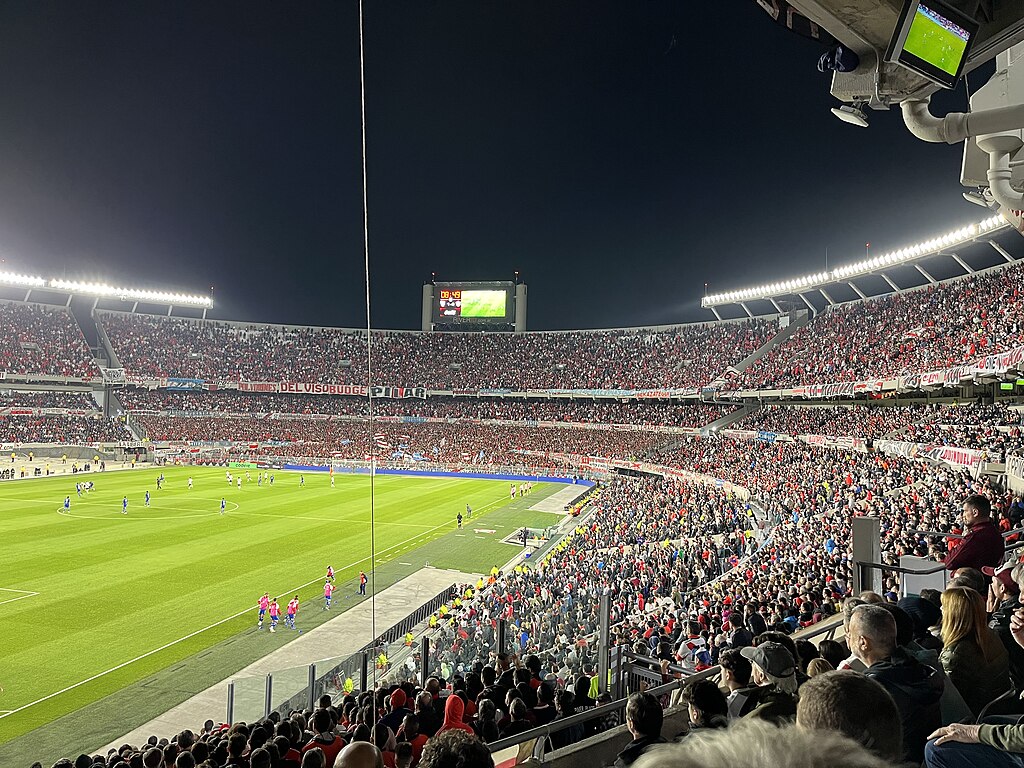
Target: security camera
[(851, 114)]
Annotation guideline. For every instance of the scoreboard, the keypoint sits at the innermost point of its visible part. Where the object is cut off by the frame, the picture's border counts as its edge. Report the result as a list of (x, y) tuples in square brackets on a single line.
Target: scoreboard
[(469, 303)]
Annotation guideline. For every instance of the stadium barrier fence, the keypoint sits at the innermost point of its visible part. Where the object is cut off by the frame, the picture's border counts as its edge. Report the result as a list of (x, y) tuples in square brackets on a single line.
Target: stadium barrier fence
[(251, 698)]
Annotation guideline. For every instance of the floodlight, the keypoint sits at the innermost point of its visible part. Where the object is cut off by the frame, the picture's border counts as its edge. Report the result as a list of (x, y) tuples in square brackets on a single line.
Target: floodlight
[(28, 281), (851, 115)]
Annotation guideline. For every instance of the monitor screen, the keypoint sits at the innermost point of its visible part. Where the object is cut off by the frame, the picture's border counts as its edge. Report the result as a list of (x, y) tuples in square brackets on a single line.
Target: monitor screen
[(933, 40), (481, 302)]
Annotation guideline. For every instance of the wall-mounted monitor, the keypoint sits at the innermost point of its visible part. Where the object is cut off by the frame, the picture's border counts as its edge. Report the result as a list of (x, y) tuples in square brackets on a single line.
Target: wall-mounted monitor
[(933, 39)]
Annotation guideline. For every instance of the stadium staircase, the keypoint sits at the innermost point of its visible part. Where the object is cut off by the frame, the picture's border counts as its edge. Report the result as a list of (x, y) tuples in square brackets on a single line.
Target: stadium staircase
[(797, 319), (731, 418)]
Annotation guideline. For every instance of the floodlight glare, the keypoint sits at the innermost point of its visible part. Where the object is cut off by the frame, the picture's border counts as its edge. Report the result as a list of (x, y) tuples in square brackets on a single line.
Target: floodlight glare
[(10, 278), (867, 266)]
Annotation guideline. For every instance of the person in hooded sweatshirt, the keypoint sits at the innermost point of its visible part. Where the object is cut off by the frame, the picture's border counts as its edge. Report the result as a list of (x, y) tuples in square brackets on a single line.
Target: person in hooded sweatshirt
[(453, 709), (396, 712), (915, 687)]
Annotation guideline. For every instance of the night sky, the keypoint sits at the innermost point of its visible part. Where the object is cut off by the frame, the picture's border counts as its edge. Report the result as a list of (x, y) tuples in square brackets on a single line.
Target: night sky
[(618, 154)]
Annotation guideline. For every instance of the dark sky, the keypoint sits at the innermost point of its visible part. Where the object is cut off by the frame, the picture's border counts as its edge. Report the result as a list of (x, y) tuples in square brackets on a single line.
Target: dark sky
[(618, 154)]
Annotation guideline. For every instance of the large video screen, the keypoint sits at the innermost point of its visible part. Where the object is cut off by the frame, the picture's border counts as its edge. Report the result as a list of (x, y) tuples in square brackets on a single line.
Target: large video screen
[(474, 302), (933, 40)]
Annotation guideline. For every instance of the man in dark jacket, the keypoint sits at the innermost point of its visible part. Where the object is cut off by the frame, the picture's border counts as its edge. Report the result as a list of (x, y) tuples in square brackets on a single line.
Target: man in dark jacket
[(643, 719), (915, 687), (774, 672), (1003, 600), (983, 543)]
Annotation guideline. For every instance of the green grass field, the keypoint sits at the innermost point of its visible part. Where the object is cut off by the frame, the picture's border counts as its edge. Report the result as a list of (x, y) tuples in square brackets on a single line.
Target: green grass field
[(933, 43), (95, 601), (483, 303)]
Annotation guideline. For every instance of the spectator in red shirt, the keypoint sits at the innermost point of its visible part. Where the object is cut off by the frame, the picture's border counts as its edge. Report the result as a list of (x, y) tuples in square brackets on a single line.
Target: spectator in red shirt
[(324, 737)]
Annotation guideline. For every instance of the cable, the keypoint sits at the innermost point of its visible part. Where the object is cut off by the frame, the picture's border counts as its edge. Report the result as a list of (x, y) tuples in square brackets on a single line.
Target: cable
[(369, 347)]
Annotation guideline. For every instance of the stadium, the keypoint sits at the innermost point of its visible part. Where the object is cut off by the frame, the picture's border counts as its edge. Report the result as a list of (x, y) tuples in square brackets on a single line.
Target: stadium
[(788, 533)]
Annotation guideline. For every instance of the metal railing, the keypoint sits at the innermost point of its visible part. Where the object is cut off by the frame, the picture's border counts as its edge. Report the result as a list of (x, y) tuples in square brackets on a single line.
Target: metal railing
[(284, 690), (634, 673)]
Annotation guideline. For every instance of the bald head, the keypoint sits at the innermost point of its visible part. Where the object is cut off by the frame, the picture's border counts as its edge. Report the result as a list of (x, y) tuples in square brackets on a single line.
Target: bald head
[(359, 754)]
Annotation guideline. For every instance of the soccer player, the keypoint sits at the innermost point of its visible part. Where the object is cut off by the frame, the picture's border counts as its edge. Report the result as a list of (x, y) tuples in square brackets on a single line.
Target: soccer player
[(67, 503), (302, 480), (330, 574), (328, 591), (223, 505), (190, 483), (147, 498), (230, 480), (271, 479), (292, 609), (239, 483), (362, 583), (459, 519), (264, 604), (275, 613), (332, 481), (512, 491), (124, 506), (469, 512), (259, 480), (78, 487)]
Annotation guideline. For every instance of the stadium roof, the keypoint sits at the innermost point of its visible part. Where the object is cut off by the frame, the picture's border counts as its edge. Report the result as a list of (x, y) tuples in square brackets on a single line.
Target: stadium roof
[(847, 274), (103, 291)]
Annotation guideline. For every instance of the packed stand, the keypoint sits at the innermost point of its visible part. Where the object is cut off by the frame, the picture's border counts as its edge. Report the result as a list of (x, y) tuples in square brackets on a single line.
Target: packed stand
[(76, 401), (43, 340), (994, 428), (869, 422), (68, 430), (937, 327), (460, 443), (611, 411), (686, 356)]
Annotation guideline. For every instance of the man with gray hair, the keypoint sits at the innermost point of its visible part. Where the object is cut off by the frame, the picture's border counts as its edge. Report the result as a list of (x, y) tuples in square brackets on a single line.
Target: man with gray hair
[(915, 687), (774, 671)]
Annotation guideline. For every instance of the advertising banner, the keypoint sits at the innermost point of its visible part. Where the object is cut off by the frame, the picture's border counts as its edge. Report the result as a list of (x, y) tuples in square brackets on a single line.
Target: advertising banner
[(329, 388), (185, 385)]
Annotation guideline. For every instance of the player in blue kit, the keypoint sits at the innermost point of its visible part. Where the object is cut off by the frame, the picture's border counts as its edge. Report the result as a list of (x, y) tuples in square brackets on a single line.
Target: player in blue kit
[(147, 498), (223, 506), (67, 503), (124, 506)]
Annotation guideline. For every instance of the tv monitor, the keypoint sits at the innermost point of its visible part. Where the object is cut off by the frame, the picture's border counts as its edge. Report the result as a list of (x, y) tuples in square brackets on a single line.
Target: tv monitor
[(933, 39)]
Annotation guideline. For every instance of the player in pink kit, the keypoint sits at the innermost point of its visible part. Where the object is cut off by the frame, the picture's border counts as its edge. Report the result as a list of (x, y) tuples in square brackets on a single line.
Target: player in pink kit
[(264, 604), (328, 591), (275, 613), (290, 611)]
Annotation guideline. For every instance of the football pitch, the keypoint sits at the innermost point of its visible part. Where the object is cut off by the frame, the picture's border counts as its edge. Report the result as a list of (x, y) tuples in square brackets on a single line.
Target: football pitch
[(95, 600), (935, 44)]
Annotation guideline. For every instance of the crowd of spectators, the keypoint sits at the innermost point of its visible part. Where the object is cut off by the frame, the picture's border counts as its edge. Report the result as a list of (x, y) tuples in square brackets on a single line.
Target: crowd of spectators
[(691, 414), (77, 401), (937, 327), (68, 430), (46, 340), (835, 420), (684, 356), (438, 442), (994, 428)]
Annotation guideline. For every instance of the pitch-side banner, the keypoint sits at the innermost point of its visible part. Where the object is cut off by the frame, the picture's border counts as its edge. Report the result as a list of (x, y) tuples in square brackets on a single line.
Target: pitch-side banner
[(328, 388)]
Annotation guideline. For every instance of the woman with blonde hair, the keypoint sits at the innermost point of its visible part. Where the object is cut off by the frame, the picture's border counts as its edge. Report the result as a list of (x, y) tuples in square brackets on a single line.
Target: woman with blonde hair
[(973, 655)]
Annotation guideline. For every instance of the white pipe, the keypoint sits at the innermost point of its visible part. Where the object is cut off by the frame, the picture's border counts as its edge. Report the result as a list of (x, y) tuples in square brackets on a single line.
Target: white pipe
[(999, 175), (958, 126)]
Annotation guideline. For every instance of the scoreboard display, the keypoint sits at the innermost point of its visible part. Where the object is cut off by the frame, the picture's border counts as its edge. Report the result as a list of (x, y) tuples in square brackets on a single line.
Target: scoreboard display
[(492, 302)]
